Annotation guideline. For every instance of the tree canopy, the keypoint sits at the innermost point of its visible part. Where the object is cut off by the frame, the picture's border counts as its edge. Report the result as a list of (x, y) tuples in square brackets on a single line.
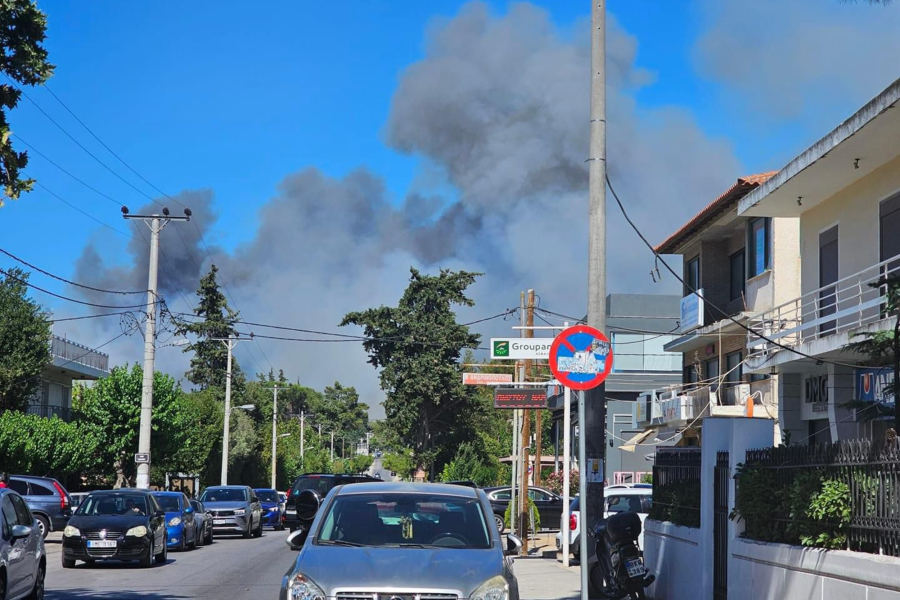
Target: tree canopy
[(417, 347), (24, 342), (210, 360), (23, 60)]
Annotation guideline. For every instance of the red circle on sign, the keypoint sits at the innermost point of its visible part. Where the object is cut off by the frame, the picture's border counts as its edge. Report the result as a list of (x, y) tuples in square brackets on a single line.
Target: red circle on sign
[(563, 341)]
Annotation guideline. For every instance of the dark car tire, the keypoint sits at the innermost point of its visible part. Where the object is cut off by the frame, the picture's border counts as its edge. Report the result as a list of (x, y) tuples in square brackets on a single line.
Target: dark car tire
[(147, 561), (209, 536), (259, 530), (193, 544), (163, 556), (499, 522), (249, 531), (200, 538), (68, 563), (38, 592), (43, 525)]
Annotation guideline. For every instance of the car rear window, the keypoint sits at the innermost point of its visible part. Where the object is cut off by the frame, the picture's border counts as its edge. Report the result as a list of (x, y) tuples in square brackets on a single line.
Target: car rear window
[(169, 503), (321, 485), (616, 504), (267, 496), (19, 486), (405, 520), (40, 490)]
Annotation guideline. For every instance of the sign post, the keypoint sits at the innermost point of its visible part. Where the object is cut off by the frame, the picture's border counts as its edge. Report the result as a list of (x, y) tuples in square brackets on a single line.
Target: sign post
[(581, 358)]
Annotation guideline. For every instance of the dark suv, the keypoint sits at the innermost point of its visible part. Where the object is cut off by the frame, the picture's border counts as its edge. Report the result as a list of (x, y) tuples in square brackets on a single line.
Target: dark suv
[(317, 484), (47, 499)]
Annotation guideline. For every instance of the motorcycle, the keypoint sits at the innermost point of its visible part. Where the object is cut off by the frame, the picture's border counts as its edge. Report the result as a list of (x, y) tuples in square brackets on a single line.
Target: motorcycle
[(618, 568)]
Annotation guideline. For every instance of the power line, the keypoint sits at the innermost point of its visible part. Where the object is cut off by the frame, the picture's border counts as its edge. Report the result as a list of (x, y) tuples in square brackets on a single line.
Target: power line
[(66, 298), (124, 333), (707, 302), (64, 280), (88, 215), (87, 317)]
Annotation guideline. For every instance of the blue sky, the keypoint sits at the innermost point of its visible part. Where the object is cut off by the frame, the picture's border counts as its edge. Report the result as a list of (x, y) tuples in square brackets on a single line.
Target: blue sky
[(210, 95)]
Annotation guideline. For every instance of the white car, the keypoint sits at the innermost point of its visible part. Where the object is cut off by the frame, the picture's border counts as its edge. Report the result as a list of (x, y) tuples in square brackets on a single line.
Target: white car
[(627, 497), (22, 555)]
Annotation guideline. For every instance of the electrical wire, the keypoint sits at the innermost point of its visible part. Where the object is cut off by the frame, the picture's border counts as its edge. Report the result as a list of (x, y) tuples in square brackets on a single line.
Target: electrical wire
[(88, 215), (64, 280), (707, 302), (66, 298), (87, 317), (123, 334)]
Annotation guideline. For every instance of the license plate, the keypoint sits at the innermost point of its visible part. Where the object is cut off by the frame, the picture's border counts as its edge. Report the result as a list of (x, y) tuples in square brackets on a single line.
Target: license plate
[(635, 567), (220, 521), (101, 544), (290, 511)]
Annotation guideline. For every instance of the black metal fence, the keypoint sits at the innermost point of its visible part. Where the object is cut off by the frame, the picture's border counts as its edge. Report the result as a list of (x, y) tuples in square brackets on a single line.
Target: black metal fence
[(676, 486), (842, 495)]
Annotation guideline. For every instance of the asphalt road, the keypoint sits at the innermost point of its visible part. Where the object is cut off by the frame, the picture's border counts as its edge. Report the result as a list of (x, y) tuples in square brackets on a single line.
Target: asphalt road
[(231, 568), (378, 468)]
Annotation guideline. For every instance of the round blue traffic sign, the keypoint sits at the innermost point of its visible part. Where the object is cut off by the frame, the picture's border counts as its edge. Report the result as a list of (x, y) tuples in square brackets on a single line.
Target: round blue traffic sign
[(581, 357)]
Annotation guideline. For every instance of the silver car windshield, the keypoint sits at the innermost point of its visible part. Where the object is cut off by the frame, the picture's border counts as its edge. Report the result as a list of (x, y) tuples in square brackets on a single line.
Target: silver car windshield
[(224, 495), (405, 520)]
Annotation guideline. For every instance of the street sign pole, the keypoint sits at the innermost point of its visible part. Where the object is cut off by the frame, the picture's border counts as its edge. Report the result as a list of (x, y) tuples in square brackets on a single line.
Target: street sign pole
[(567, 445)]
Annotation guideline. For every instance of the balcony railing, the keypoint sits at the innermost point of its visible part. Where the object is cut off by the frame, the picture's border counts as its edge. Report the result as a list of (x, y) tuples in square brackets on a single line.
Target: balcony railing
[(845, 305), (79, 354), (63, 412)]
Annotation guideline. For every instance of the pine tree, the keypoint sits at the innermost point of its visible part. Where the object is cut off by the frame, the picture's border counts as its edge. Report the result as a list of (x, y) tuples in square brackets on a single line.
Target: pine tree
[(210, 361)]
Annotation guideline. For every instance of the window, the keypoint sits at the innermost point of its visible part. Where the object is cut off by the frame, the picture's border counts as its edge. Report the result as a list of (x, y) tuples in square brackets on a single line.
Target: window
[(222, 494), (643, 352), (690, 375), (758, 246), (39, 490), (712, 371), (733, 365), (828, 275), (114, 504), (538, 496), (692, 275), (737, 275), (22, 512), (19, 486), (890, 232), (10, 519), (615, 504)]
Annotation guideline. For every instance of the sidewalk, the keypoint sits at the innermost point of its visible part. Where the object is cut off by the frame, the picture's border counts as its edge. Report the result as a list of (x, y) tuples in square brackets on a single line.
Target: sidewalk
[(546, 579)]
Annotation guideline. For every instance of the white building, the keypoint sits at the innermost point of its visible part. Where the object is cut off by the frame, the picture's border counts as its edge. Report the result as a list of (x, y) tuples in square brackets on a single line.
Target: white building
[(845, 192)]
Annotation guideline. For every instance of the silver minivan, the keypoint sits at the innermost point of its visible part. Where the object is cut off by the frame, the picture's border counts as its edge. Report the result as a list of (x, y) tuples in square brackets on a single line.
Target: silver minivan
[(23, 561), (402, 540)]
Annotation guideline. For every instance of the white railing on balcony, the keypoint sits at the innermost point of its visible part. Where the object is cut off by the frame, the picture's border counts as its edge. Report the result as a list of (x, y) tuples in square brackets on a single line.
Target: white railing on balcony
[(79, 354), (846, 305)]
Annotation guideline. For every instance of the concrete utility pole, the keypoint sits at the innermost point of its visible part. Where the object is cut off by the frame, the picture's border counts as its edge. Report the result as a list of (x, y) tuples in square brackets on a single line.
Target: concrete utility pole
[(274, 433), (302, 439), (514, 509), (156, 223), (592, 410), (525, 513), (230, 343), (332, 446)]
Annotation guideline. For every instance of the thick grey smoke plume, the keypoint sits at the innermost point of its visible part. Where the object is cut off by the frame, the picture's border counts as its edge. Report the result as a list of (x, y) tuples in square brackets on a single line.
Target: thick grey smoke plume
[(498, 107)]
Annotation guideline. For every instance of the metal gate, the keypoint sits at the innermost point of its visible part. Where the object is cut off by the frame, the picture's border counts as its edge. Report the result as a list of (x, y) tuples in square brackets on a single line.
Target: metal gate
[(720, 527)]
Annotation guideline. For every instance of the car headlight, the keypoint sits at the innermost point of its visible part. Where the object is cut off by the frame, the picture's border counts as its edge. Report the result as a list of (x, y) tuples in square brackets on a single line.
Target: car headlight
[(174, 521), (70, 531), (139, 531), (301, 588), (239, 512), (496, 588)]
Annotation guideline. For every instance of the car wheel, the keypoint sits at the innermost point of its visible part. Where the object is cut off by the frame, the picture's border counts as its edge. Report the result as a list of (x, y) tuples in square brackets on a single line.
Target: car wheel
[(209, 536), (259, 530), (67, 563), (43, 524), (201, 539), (193, 544), (147, 561), (249, 531), (163, 556), (38, 592), (500, 522)]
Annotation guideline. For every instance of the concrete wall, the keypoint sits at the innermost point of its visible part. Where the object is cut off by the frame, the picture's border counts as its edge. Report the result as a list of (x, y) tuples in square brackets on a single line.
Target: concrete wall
[(855, 210), (786, 258), (759, 570), (670, 552)]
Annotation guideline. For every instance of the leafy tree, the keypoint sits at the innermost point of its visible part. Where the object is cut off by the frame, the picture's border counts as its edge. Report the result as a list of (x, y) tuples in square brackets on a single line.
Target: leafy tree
[(33, 444), (24, 342), (417, 347), (338, 409), (209, 365), (882, 348), (403, 464), (24, 60), (470, 464), (201, 416), (112, 408)]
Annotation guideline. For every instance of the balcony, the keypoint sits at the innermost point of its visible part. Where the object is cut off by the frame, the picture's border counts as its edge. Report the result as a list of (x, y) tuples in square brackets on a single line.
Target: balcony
[(63, 412), (822, 320), (84, 362)]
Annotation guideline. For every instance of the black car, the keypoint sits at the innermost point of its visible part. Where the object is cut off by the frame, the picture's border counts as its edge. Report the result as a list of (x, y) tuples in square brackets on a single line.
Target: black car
[(548, 504), (121, 525), (318, 484), (48, 500)]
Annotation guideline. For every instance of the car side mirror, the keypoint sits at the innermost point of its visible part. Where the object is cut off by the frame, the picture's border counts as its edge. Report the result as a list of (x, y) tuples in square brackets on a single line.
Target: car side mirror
[(513, 545), (188, 510), (297, 539), (254, 499), (160, 513), (20, 531)]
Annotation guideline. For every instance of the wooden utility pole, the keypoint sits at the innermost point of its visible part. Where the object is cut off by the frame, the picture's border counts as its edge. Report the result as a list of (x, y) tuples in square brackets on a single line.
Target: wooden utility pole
[(525, 515)]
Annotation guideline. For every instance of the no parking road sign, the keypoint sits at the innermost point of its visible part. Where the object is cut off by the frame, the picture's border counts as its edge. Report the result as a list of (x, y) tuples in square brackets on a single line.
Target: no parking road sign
[(581, 357)]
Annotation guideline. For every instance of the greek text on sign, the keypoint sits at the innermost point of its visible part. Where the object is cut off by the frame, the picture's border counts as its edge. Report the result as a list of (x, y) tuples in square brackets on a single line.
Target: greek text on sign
[(581, 357), (520, 398), (486, 378), (520, 348)]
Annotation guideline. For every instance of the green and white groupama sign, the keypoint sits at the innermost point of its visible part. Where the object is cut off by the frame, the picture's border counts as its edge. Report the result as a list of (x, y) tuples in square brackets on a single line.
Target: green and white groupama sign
[(520, 348)]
